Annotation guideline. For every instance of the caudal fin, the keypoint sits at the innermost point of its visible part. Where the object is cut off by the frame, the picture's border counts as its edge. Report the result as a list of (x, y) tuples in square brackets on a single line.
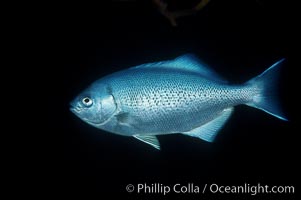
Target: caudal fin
[(266, 97)]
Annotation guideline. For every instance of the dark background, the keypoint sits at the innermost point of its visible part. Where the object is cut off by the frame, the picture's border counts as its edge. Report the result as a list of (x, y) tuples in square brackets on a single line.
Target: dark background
[(239, 39)]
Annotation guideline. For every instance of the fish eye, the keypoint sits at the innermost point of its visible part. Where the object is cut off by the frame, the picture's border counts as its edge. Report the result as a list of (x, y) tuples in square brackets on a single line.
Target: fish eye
[(87, 101)]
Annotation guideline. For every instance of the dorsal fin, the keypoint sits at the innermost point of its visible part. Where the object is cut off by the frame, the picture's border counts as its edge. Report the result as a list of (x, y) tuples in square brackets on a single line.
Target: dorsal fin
[(186, 62)]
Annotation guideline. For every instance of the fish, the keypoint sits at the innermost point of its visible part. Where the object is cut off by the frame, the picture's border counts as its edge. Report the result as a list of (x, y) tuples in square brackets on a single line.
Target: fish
[(182, 95)]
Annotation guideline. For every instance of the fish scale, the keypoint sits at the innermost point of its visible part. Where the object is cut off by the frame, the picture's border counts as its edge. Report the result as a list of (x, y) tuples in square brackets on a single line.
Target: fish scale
[(149, 107)]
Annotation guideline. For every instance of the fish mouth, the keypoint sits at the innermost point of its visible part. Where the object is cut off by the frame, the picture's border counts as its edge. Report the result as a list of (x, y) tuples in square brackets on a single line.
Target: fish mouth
[(77, 111), (74, 108)]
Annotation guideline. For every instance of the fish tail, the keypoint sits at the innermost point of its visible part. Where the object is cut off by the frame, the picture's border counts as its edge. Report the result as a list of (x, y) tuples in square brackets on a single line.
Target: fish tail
[(265, 87)]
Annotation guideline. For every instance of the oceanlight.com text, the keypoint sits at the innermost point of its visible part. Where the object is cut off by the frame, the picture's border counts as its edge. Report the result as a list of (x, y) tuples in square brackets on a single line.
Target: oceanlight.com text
[(212, 188)]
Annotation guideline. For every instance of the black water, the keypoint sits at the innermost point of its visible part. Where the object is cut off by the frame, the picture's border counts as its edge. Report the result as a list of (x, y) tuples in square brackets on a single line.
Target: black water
[(239, 39)]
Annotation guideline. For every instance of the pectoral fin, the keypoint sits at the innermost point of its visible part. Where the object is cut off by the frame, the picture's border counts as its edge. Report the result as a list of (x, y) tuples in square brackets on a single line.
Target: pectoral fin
[(149, 139), (209, 131)]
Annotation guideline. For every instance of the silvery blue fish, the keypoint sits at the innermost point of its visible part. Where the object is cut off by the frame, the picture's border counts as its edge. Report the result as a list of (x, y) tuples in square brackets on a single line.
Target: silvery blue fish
[(175, 96)]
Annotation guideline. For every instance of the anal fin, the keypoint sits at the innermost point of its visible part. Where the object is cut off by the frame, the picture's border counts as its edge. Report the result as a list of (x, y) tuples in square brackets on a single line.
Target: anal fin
[(209, 131), (149, 139)]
